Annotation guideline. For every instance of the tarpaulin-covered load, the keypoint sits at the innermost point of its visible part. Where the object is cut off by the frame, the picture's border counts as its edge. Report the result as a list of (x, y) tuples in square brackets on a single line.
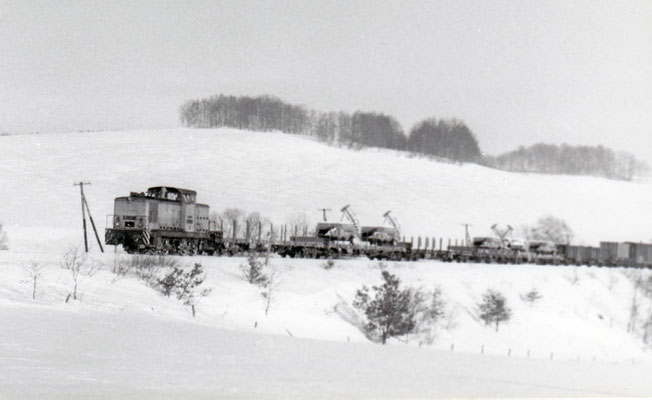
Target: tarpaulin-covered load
[(379, 234), (487, 242), (543, 247), (335, 231)]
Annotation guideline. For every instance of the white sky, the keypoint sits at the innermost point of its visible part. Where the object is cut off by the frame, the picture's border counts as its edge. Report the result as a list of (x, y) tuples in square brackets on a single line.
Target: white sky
[(518, 72)]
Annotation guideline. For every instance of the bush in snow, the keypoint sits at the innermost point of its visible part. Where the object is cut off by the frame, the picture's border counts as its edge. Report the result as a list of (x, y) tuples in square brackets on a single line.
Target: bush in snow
[(328, 265), (184, 285), (531, 297), (33, 271), (493, 308), (145, 268), (80, 268), (428, 310), (3, 239), (388, 308), (180, 282), (270, 290), (253, 273)]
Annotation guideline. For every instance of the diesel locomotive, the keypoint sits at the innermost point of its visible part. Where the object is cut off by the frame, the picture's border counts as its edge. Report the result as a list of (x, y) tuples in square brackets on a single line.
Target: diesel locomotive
[(163, 220)]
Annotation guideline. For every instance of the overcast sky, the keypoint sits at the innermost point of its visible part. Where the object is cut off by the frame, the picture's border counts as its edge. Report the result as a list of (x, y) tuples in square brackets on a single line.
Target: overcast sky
[(517, 72)]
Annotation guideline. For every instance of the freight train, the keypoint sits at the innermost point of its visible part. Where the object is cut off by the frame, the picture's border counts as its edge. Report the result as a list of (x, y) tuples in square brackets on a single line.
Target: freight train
[(168, 220)]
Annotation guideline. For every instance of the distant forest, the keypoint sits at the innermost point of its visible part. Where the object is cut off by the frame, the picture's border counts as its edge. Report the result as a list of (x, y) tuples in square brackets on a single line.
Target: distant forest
[(447, 139)]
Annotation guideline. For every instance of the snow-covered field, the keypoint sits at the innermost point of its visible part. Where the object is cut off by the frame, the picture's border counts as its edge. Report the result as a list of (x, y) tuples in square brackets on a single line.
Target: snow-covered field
[(123, 339)]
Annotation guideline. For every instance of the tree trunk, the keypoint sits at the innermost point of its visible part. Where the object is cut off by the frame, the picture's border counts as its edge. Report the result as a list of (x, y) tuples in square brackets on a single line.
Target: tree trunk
[(34, 290), (497, 322), (269, 299)]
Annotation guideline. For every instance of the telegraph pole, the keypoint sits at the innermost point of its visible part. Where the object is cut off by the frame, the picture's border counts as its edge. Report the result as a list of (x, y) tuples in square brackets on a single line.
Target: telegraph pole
[(323, 210), (84, 205)]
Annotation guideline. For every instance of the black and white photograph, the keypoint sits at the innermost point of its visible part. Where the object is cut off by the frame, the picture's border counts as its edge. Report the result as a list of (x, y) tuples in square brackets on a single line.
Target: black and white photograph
[(307, 199)]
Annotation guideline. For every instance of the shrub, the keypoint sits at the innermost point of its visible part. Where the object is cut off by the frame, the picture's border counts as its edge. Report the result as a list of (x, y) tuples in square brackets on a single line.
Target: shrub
[(531, 297), (493, 308), (253, 273), (328, 265), (145, 268), (184, 285), (77, 263), (181, 282), (389, 313)]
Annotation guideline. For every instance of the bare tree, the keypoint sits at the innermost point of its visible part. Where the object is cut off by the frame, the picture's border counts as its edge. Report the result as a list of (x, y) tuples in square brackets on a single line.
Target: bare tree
[(33, 271), (273, 282), (298, 224), (634, 308), (233, 220), (77, 263), (549, 228)]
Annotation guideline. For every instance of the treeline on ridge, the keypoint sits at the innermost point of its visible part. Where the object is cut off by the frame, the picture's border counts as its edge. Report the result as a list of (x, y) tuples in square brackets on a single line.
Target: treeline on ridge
[(570, 160), (449, 139)]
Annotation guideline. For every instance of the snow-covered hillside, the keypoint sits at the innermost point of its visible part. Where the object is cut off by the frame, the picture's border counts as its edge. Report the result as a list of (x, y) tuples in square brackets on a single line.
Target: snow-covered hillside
[(278, 175), (123, 339)]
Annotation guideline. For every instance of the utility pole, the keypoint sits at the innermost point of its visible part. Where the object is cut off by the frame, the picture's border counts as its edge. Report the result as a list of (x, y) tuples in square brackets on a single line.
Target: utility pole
[(84, 205), (323, 210), (467, 237)]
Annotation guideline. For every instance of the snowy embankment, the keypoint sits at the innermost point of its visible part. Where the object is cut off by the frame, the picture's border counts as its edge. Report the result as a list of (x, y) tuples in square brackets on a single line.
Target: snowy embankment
[(125, 339), (122, 338)]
